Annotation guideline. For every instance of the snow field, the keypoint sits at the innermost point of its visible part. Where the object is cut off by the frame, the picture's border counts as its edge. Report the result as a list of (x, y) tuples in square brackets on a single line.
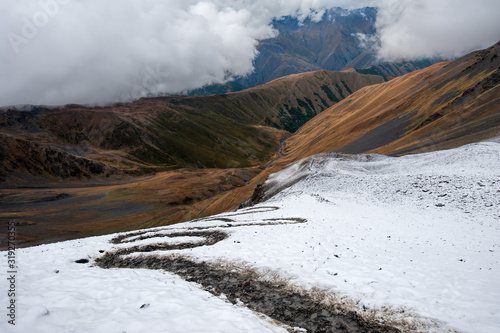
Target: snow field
[(58, 295), (419, 234)]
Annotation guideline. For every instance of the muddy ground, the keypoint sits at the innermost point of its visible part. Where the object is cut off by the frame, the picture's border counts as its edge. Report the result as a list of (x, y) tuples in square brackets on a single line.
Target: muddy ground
[(275, 298)]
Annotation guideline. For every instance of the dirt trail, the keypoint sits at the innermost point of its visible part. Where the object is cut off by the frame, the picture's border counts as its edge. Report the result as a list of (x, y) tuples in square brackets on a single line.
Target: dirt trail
[(280, 153)]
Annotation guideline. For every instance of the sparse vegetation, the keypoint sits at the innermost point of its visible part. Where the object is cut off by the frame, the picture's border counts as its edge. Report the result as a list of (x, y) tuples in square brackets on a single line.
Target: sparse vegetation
[(293, 118), (325, 104), (330, 94)]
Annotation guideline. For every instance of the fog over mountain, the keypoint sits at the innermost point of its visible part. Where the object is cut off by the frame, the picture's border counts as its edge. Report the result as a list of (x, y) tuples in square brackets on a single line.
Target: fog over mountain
[(60, 51)]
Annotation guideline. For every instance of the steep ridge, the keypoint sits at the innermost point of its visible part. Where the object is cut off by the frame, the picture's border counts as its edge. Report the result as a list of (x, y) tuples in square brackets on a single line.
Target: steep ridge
[(394, 69), (289, 102), (444, 106), (154, 134), (328, 44)]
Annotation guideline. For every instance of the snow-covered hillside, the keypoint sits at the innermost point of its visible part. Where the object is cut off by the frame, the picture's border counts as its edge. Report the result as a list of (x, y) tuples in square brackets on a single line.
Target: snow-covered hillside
[(413, 241)]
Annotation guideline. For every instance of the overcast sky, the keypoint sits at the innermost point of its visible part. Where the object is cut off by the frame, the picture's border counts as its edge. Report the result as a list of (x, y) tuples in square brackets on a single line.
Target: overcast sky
[(96, 51)]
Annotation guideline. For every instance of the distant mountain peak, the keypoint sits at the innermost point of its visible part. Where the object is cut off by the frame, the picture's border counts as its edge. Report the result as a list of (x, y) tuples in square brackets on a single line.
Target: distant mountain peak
[(341, 39)]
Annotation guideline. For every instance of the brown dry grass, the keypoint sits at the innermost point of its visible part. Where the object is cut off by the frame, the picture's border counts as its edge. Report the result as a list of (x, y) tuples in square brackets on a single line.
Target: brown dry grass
[(166, 198)]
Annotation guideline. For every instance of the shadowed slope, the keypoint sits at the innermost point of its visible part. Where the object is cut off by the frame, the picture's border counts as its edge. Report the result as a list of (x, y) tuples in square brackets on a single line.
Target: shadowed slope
[(154, 134)]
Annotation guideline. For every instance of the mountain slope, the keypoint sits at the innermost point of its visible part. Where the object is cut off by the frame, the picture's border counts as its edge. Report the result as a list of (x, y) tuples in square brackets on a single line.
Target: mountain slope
[(328, 44), (394, 69), (443, 106), (143, 137), (289, 102), (162, 133), (74, 171)]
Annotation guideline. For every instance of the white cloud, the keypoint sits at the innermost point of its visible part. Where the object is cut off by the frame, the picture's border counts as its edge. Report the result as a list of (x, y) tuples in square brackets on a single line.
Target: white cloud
[(428, 28), (100, 51), (365, 40), (93, 51)]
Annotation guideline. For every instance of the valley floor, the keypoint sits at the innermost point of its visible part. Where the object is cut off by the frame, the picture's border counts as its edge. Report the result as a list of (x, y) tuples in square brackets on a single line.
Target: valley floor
[(48, 212), (411, 243)]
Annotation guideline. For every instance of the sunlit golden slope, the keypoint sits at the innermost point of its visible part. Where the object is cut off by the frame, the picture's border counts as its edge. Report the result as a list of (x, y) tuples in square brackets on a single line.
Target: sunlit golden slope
[(443, 106)]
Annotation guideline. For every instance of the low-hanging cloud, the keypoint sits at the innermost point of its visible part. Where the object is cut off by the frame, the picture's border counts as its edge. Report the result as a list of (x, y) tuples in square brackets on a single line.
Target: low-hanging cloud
[(93, 51), (73, 51), (409, 29), (100, 51)]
